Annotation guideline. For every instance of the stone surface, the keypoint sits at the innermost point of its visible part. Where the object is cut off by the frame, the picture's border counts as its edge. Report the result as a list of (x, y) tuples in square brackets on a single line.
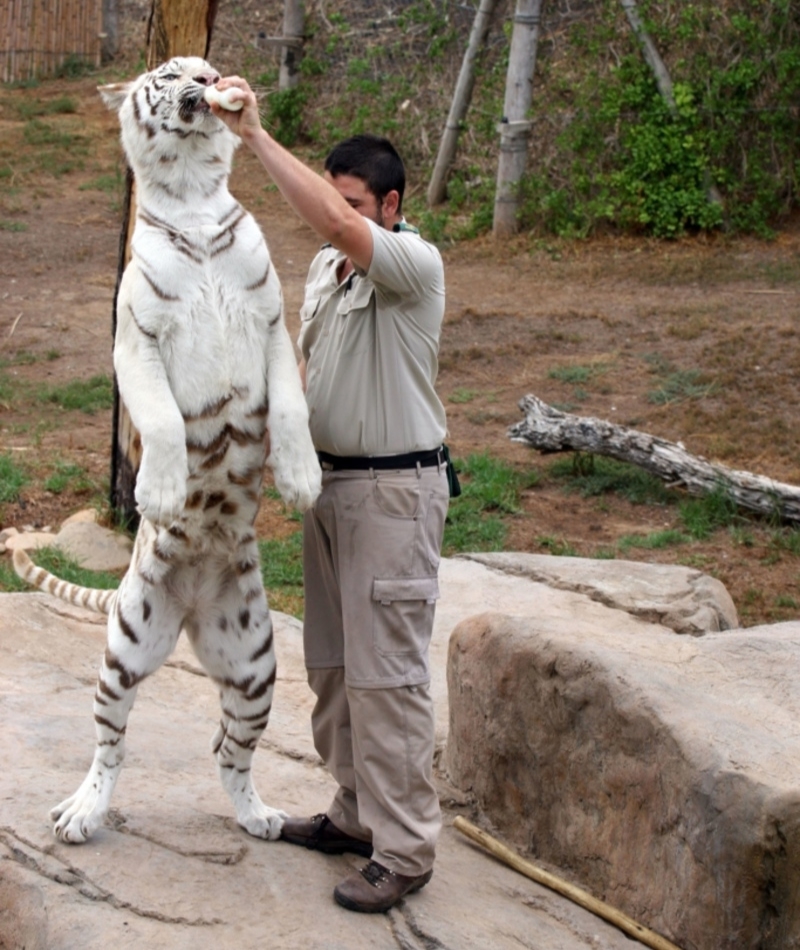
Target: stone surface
[(171, 870), (94, 547), (86, 515), (681, 598), (29, 540), (661, 772)]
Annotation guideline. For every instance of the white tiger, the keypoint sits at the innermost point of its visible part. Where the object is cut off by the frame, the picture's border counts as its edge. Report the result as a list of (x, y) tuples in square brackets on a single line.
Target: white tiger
[(202, 355)]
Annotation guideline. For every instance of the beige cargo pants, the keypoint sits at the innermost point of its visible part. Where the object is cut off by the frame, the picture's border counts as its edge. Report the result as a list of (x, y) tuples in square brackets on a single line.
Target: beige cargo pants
[(371, 554)]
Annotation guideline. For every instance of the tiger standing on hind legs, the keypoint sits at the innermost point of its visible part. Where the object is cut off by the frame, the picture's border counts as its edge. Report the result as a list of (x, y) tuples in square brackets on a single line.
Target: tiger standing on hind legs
[(204, 362), (371, 323)]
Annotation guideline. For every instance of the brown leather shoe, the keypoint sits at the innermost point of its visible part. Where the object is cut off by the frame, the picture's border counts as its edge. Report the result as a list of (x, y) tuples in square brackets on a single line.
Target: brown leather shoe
[(375, 889), (320, 834)]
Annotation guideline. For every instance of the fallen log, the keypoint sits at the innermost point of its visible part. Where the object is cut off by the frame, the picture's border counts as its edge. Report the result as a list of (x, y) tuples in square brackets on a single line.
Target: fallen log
[(549, 430)]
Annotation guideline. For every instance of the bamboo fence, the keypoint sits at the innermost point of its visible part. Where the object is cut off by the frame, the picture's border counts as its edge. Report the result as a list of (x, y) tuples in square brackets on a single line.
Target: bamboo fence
[(41, 35)]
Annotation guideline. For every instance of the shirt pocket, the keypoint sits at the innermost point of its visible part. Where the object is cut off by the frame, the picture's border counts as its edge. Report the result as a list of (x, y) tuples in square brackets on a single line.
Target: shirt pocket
[(359, 297), (309, 308), (403, 609)]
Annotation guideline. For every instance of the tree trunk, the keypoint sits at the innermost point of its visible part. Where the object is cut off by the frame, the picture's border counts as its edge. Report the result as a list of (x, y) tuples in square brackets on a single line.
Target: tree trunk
[(175, 28), (515, 126), (651, 54), (292, 45), (549, 430), (461, 100)]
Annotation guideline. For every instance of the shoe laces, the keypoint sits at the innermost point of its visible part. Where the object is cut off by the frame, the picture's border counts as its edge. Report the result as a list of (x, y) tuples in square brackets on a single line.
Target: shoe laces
[(373, 873), (323, 820)]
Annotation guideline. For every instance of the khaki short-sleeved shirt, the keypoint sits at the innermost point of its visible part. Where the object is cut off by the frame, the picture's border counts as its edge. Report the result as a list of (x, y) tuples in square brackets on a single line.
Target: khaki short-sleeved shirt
[(371, 346)]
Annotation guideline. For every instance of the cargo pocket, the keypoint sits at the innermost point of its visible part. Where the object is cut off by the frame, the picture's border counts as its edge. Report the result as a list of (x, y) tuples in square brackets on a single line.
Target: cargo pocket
[(403, 609)]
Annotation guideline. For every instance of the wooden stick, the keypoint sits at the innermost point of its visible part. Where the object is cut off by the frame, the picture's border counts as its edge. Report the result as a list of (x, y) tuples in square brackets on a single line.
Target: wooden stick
[(648, 937)]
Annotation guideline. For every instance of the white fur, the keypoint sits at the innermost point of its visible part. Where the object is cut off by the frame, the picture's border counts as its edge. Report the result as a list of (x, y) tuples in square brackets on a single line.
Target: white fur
[(200, 346)]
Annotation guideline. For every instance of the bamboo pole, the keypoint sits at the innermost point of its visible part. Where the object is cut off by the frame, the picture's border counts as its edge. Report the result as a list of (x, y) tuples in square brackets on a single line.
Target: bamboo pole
[(580, 897), (461, 100), (515, 127), (651, 54), (292, 48)]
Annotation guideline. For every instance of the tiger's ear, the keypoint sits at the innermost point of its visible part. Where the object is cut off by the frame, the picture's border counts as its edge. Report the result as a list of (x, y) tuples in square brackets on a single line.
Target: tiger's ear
[(114, 94)]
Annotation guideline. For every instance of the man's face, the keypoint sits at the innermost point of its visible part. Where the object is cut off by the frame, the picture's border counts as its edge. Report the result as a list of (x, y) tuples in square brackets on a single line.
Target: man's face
[(358, 196)]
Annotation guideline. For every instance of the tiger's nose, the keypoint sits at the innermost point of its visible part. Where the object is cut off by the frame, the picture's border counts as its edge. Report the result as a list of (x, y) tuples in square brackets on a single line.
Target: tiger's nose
[(207, 79)]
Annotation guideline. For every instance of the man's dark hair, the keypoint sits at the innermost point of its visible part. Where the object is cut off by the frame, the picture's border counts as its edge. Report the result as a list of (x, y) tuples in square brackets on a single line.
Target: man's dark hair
[(372, 159)]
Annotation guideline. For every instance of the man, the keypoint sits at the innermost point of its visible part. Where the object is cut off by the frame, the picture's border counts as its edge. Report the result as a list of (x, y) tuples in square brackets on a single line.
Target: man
[(371, 322)]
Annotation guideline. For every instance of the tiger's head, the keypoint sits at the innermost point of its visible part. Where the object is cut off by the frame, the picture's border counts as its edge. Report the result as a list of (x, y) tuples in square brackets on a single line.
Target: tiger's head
[(163, 115)]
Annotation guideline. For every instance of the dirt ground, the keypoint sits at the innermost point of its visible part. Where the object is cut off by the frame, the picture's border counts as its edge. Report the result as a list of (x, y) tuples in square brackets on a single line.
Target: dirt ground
[(598, 326)]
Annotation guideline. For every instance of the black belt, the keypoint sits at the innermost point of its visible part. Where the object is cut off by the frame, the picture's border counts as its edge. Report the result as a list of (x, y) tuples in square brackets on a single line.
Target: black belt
[(333, 463)]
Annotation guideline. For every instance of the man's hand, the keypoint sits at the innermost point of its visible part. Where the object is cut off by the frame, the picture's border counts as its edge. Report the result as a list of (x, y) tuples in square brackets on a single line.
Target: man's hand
[(246, 122)]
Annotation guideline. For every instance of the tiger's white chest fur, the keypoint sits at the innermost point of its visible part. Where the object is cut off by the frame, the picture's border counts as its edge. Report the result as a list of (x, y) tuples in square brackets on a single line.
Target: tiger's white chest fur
[(204, 364)]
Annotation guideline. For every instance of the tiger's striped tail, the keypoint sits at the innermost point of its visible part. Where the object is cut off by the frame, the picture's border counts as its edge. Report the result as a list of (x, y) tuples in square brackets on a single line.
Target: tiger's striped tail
[(100, 601)]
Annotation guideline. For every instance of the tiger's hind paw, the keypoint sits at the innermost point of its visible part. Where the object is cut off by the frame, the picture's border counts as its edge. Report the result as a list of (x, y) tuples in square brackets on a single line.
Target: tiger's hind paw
[(72, 824)]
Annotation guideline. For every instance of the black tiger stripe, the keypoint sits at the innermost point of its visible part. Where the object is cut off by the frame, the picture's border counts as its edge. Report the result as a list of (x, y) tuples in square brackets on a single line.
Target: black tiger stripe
[(251, 717), (222, 736), (214, 184), (244, 478), (245, 566), (264, 649), (210, 409), (146, 610), (139, 327), (125, 626), (244, 619), (250, 743), (106, 690), (216, 459), (233, 210), (194, 500), (213, 499), (243, 437), (219, 249), (260, 282), (181, 133), (162, 555), (140, 121), (127, 678), (262, 688), (109, 725), (213, 445), (161, 294), (253, 594), (260, 410), (146, 576)]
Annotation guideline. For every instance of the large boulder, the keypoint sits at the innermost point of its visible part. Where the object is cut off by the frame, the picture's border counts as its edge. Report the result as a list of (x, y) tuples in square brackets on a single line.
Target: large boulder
[(662, 773), (682, 598)]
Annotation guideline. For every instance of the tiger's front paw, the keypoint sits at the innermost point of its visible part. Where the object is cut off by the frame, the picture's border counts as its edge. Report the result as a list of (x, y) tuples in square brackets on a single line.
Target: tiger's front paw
[(297, 474), (263, 822), (161, 486)]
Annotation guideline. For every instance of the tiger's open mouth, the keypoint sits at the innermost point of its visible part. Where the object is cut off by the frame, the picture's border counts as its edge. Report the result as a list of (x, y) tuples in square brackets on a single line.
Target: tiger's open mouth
[(193, 103)]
